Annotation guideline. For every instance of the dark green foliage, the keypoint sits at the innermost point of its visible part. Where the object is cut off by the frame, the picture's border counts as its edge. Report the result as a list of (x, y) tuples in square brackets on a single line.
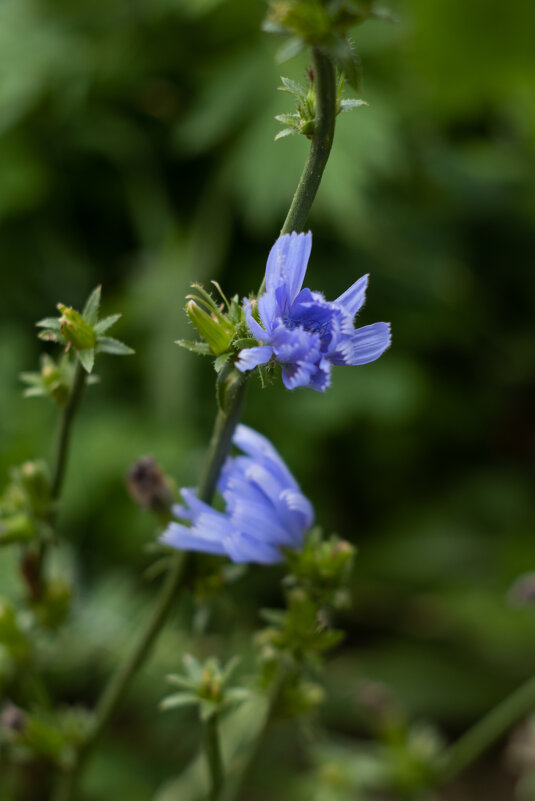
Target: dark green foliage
[(137, 152)]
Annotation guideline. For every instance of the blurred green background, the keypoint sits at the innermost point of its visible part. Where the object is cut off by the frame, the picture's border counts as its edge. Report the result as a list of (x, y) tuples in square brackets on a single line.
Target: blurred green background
[(137, 151)]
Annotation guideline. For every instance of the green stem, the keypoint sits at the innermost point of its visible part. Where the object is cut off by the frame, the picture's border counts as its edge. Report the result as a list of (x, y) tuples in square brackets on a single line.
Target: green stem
[(487, 731), (225, 424), (64, 433), (118, 684), (213, 755), (325, 85), (58, 474)]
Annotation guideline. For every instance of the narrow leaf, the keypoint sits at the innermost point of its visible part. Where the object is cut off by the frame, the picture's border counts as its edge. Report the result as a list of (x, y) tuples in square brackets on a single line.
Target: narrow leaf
[(113, 346), (178, 700), (349, 104), (106, 323), (90, 312), (285, 132), (87, 358), (49, 322), (195, 347)]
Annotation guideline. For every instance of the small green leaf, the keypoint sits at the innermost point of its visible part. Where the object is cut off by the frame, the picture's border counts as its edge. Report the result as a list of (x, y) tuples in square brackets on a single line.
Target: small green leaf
[(49, 322), (90, 312), (106, 323), (245, 342), (285, 132), (220, 362), (87, 358), (177, 700), (293, 88), (195, 347), (349, 104), (113, 346)]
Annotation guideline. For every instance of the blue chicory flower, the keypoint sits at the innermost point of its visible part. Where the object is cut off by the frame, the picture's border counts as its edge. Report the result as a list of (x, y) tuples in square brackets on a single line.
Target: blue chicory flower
[(301, 330), (264, 508)]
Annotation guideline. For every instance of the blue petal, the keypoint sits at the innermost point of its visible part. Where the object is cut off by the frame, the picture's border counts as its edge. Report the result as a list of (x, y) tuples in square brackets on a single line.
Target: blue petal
[(185, 539), (254, 327), (353, 298), (369, 342), (241, 548), (268, 310), (297, 374), (249, 358), (261, 450), (287, 263)]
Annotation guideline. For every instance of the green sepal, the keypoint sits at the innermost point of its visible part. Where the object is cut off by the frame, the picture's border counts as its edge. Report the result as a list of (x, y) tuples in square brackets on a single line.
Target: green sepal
[(220, 362), (113, 347), (92, 305), (102, 325), (203, 348), (86, 358), (212, 326)]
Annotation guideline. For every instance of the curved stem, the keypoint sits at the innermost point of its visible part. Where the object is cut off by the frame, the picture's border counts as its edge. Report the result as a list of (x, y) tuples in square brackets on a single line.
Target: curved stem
[(34, 569), (118, 684), (487, 731), (325, 84), (212, 747), (64, 433)]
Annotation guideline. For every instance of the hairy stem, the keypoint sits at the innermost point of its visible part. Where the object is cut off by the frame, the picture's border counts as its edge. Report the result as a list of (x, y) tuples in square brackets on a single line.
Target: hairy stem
[(487, 731), (325, 84), (214, 758)]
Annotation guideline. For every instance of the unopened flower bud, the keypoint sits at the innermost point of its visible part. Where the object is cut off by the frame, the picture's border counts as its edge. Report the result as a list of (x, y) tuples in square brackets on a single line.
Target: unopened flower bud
[(75, 329), (522, 592), (215, 330), (16, 528), (148, 485), (12, 718)]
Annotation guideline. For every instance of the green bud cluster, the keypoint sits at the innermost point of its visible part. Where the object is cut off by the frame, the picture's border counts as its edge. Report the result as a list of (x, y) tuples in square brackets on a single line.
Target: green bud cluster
[(303, 120), (51, 736), (25, 505), (205, 685), (54, 379), (84, 333), (297, 637), (224, 332), (325, 24)]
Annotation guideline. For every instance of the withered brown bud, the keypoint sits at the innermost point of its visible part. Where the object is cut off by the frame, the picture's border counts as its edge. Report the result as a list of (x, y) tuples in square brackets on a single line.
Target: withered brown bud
[(12, 718), (522, 592), (148, 485)]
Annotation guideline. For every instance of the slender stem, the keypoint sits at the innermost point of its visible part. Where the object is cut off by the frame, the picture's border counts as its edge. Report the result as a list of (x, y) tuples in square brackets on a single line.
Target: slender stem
[(118, 684), (325, 84), (34, 566), (64, 433), (487, 731), (212, 747), (223, 430)]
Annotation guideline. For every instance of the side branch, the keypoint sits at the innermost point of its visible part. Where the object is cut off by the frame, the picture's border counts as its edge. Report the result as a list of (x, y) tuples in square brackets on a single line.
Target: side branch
[(325, 84)]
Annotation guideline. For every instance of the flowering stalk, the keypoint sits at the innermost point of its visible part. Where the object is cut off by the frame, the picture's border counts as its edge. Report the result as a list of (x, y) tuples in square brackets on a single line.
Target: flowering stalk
[(225, 423), (60, 464), (212, 747), (325, 82)]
